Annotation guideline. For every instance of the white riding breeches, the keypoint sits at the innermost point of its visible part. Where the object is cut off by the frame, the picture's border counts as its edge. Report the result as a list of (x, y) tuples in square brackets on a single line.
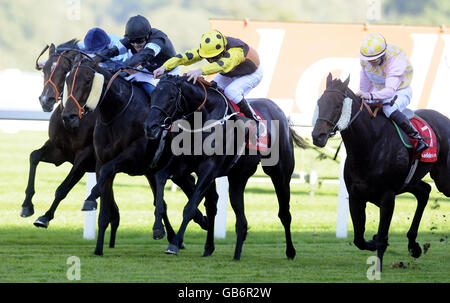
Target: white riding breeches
[(235, 88), (403, 99)]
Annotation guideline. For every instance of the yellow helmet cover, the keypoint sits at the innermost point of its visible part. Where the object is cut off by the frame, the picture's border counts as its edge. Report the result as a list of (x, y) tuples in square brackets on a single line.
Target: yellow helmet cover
[(373, 47), (212, 44)]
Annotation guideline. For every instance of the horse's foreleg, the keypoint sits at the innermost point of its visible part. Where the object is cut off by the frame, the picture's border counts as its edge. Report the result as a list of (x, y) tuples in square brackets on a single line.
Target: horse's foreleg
[(189, 210), (422, 192), (358, 215), (236, 192), (47, 153), (187, 184), (109, 213), (386, 211), (77, 171), (211, 198), (157, 183), (27, 205)]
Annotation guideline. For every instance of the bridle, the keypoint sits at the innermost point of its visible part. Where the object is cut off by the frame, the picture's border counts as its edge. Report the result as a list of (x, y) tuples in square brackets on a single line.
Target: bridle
[(168, 118), (334, 125), (81, 109), (58, 96)]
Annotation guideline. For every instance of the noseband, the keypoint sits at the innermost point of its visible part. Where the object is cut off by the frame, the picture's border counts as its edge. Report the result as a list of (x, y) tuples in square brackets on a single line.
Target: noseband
[(81, 109), (334, 125)]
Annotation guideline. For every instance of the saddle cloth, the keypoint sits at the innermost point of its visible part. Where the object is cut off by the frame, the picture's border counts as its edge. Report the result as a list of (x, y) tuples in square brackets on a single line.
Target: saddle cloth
[(263, 135), (427, 133)]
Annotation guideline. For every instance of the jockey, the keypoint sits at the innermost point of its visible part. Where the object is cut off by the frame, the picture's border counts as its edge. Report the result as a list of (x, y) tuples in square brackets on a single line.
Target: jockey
[(142, 46), (385, 73), (236, 62), (148, 47), (98, 41)]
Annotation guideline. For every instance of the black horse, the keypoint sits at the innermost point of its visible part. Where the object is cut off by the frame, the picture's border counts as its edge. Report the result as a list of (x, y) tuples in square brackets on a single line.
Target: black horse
[(63, 145), (119, 139), (175, 97), (378, 163)]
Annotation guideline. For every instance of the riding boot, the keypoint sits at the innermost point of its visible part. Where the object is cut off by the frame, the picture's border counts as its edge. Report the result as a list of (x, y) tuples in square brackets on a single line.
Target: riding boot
[(403, 122), (247, 110)]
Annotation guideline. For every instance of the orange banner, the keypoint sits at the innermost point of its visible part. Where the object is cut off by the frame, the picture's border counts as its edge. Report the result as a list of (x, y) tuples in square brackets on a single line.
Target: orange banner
[(297, 57)]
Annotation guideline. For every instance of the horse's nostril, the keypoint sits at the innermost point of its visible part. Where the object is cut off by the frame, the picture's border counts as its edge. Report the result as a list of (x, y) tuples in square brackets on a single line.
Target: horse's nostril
[(152, 131)]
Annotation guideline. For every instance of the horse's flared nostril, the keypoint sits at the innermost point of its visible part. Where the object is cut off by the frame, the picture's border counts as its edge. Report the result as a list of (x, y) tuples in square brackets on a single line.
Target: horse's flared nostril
[(47, 103), (70, 121), (153, 131)]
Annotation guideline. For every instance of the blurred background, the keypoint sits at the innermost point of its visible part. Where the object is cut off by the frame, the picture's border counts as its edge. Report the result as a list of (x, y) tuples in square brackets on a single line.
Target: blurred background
[(28, 25)]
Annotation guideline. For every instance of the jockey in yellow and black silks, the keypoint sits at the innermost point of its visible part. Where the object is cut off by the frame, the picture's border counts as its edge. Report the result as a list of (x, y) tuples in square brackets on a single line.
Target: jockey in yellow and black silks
[(236, 64)]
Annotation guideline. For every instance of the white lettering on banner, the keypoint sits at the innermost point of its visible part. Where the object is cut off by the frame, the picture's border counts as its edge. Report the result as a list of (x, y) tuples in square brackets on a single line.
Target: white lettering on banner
[(421, 55), (439, 92), (307, 91), (268, 51)]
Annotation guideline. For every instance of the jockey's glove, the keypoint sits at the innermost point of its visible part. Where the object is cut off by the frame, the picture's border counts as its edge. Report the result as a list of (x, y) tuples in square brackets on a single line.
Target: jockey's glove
[(109, 52)]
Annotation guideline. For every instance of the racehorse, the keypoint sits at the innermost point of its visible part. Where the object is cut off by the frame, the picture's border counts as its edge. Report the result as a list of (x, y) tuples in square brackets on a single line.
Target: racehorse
[(119, 139), (174, 97), (378, 163), (63, 145)]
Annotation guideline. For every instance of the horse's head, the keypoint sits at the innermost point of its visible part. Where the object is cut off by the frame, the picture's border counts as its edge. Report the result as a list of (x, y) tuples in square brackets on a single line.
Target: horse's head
[(333, 111), (82, 92), (55, 69), (168, 104)]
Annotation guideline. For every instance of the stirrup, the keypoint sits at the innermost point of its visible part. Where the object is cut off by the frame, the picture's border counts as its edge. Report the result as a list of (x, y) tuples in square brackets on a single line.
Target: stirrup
[(423, 146)]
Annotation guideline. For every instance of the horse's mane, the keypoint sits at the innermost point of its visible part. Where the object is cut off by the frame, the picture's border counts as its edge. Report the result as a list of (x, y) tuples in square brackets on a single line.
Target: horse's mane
[(339, 85), (71, 44)]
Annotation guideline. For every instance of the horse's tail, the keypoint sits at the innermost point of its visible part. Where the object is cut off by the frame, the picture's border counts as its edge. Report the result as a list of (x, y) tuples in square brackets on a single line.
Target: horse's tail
[(298, 140)]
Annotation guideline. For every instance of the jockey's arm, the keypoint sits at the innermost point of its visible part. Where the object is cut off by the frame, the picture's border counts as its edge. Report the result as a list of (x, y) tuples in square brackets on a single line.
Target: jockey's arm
[(145, 55), (394, 76), (365, 85), (232, 58), (189, 57)]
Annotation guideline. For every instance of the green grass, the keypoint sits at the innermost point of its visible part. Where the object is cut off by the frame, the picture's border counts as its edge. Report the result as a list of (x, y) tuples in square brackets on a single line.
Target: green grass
[(29, 254)]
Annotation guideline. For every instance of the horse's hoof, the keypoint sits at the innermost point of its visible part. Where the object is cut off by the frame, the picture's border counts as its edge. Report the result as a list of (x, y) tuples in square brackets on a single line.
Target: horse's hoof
[(98, 253), (371, 245), (208, 251), (415, 250), (171, 250), (290, 254), (27, 211), (89, 205), (41, 222), (158, 234)]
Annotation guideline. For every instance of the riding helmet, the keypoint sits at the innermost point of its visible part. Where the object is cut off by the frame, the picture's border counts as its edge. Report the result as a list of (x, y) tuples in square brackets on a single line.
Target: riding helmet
[(212, 44), (373, 47), (137, 27), (96, 40)]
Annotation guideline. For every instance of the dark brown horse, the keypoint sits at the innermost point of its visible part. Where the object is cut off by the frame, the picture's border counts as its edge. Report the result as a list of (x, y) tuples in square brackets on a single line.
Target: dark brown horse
[(119, 139), (63, 145), (176, 98), (378, 163)]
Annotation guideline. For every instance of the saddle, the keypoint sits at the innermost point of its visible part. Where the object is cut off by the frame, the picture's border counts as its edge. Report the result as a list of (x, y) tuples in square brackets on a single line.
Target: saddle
[(261, 135), (425, 131)]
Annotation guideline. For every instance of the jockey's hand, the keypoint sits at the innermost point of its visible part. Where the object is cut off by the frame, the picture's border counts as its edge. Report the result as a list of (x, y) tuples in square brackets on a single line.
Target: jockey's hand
[(194, 74), (364, 95), (157, 73)]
